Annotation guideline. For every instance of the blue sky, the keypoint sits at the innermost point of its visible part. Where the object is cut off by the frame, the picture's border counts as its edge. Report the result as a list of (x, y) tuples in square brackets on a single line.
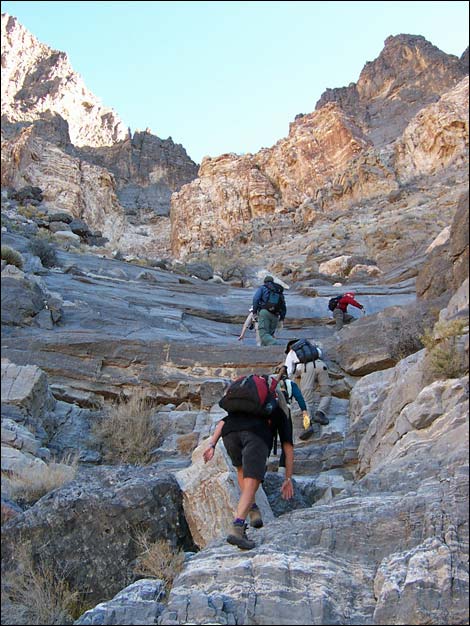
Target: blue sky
[(228, 76)]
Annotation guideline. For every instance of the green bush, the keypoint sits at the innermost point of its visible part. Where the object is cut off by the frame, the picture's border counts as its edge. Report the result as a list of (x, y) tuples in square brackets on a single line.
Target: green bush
[(12, 257), (45, 251)]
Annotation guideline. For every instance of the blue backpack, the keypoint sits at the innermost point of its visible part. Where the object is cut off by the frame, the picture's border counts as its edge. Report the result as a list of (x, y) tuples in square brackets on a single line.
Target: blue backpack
[(275, 299)]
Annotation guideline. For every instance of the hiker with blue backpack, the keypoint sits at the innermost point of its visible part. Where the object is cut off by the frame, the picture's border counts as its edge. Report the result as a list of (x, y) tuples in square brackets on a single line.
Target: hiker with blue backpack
[(270, 306), (304, 359), (339, 306), (254, 419)]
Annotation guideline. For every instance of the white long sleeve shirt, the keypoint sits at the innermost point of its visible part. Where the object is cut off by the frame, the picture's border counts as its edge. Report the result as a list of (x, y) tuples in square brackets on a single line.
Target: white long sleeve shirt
[(291, 363)]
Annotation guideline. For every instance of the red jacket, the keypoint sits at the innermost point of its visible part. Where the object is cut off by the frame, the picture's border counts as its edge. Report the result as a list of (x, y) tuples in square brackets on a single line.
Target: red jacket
[(345, 300)]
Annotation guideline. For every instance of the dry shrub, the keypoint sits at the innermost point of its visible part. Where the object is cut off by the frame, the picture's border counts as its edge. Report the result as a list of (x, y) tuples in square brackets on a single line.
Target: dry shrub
[(445, 357), (44, 250), (45, 478), (158, 559), (36, 594), (12, 257), (127, 432)]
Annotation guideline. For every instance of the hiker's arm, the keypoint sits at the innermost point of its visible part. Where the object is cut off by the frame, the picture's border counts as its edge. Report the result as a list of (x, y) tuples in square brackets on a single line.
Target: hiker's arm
[(283, 311), (287, 488), (209, 451), (298, 396), (245, 326), (353, 302)]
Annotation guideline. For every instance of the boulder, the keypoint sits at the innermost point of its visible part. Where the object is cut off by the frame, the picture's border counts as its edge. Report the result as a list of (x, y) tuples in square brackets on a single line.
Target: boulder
[(88, 528)]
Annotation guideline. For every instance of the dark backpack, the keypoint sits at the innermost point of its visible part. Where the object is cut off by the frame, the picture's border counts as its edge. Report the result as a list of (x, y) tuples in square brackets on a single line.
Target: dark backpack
[(333, 302), (249, 394), (275, 300), (305, 351)]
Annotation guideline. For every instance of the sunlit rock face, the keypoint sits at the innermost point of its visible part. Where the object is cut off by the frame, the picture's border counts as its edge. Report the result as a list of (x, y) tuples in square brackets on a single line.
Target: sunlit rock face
[(408, 74), (232, 190), (41, 92), (436, 137), (37, 79), (68, 184), (406, 117)]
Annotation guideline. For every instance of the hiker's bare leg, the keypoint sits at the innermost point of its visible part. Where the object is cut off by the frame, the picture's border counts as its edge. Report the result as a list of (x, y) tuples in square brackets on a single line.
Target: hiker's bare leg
[(248, 488), (240, 477)]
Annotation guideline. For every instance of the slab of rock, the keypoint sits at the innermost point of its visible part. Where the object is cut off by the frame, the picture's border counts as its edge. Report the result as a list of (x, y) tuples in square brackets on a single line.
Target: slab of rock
[(26, 386), (211, 495), (89, 526), (139, 603)]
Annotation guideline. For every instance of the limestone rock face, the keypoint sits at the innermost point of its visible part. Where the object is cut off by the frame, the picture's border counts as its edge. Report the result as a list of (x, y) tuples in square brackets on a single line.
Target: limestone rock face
[(405, 119), (446, 265), (229, 192), (36, 79), (42, 93), (139, 603), (319, 146), (232, 190), (436, 137), (407, 583), (408, 74), (145, 159), (68, 184), (26, 387), (147, 171)]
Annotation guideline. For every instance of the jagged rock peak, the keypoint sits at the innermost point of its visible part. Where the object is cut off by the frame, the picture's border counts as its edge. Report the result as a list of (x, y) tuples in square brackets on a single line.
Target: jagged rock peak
[(37, 79), (409, 73), (464, 59)]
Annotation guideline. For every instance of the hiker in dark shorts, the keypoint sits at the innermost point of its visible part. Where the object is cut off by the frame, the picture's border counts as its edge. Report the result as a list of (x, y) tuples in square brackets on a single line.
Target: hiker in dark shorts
[(248, 441)]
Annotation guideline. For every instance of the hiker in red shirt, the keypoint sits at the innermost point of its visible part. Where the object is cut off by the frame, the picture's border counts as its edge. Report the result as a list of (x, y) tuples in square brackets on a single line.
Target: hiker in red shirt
[(340, 313)]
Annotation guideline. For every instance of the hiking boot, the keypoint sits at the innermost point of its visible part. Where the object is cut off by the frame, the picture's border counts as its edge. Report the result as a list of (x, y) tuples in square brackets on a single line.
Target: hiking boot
[(255, 517), (321, 418), (307, 433), (237, 537)]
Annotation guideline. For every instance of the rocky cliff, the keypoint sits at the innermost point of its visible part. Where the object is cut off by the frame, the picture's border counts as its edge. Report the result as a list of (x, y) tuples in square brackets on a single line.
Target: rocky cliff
[(405, 119), (408, 74), (378, 529), (37, 79), (43, 98)]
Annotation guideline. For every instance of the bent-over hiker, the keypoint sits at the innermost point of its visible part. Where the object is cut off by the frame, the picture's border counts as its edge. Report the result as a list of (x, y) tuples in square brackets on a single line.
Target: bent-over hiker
[(270, 306), (314, 382), (248, 440), (340, 312)]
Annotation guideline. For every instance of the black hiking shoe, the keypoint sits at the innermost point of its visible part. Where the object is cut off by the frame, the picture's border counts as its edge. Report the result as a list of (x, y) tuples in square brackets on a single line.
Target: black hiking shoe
[(307, 433), (255, 517), (321, 418), (237, 537)]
